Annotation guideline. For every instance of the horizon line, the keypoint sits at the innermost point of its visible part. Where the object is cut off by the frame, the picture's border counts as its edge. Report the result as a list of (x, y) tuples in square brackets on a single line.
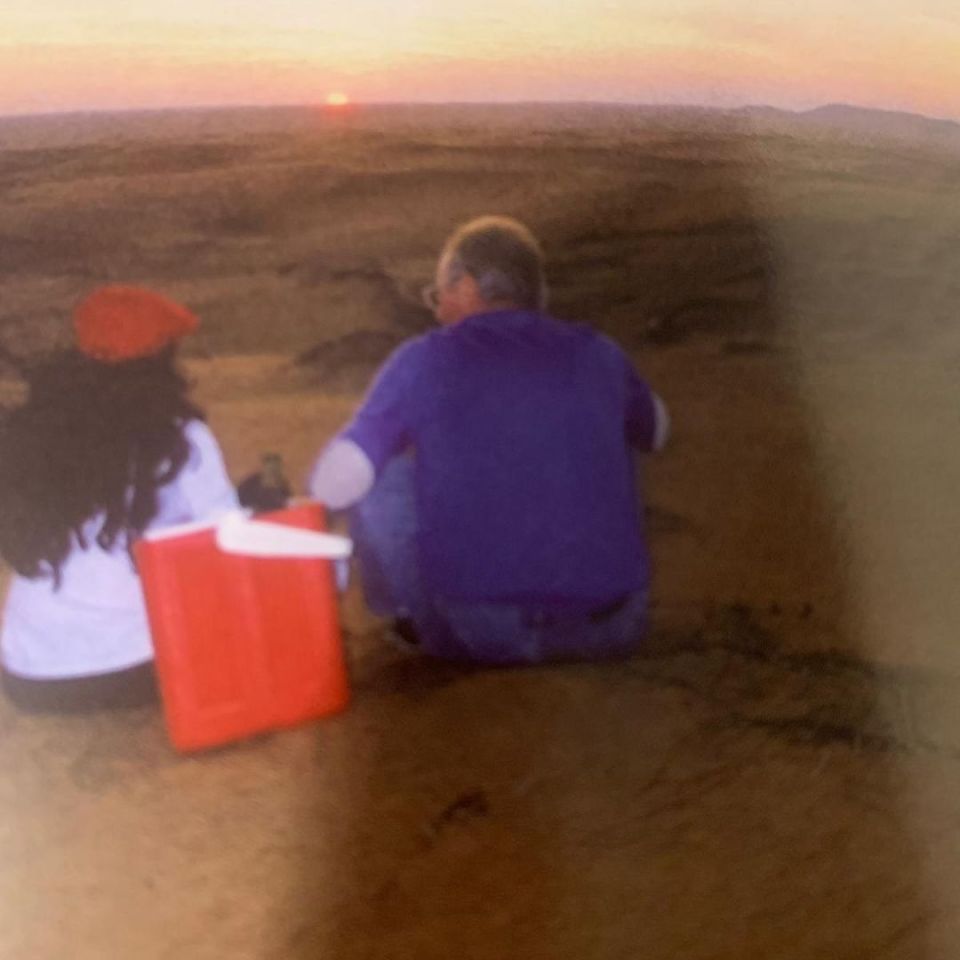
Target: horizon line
[(354, 104)]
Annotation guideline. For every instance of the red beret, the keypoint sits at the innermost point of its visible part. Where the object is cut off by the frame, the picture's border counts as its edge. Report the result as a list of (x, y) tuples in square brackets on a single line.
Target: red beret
[(117, 323)]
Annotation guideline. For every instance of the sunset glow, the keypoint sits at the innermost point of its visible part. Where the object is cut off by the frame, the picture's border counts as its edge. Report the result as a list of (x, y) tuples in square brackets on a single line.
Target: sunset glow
[(337, 99), (110, 54)]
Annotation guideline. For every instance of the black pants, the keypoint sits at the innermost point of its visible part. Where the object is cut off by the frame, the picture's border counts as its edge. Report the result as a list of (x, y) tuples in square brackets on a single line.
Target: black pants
[(122, 689)]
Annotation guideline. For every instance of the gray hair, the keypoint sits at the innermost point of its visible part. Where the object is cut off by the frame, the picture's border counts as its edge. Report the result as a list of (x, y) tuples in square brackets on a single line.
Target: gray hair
[(503, 257)]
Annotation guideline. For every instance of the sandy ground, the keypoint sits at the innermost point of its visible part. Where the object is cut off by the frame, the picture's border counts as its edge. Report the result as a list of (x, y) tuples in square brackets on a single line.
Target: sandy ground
[(774, 777)]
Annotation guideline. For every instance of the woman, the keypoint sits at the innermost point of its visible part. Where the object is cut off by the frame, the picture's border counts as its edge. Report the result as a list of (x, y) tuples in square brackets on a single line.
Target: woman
[(107, 445)]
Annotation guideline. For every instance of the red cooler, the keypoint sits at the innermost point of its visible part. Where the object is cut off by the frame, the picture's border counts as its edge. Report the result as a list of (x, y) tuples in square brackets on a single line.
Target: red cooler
[(243, 643)]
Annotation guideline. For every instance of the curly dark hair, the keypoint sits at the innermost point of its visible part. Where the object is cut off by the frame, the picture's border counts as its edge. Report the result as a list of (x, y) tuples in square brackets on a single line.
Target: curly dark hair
[(92, 438)]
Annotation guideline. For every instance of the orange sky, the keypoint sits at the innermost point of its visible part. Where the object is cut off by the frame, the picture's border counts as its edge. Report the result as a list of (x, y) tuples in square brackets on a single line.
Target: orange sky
[(103, 54)]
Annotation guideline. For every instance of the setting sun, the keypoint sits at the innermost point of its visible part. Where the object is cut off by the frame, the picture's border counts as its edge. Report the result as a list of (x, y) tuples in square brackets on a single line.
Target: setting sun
[(337, 99)]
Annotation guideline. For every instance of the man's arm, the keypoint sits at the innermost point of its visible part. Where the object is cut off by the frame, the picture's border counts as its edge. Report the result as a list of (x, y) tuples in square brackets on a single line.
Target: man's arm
[(342, 475), (661, 429), (347, 468), (647, 417), (646, 421)]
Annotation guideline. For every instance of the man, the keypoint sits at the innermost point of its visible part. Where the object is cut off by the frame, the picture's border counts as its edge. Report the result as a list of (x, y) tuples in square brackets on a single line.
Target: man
[(491, 472)]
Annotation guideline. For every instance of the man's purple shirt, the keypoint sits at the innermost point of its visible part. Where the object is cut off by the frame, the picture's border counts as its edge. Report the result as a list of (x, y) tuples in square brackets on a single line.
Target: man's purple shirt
[(522, 428)]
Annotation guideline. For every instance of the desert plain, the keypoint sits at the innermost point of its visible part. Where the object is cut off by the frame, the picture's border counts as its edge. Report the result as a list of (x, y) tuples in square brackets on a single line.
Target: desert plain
[(775, 775)]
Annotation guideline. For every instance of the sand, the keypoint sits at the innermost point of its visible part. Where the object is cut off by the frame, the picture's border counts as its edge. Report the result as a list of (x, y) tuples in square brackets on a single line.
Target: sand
[(772, 778)]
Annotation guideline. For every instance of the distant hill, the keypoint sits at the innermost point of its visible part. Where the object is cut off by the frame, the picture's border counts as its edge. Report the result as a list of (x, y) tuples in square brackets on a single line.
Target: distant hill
[(890, 122), (861, 122)]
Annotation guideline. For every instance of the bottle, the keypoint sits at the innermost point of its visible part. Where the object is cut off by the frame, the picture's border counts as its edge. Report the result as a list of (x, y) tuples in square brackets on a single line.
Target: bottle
[(267, 488)]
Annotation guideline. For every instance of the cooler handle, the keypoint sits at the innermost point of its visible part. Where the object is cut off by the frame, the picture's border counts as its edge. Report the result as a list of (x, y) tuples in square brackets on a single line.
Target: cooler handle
[(238, 533)]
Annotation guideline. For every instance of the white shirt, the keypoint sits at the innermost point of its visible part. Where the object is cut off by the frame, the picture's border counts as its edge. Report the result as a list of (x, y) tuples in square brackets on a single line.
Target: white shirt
[(96, 621)]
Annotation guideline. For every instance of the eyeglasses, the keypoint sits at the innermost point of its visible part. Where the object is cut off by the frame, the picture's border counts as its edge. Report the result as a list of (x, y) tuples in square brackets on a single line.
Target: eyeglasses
[(431, 296)]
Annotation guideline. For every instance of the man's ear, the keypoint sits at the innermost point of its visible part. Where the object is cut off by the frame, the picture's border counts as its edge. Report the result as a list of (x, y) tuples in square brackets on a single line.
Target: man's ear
[(468, 292)]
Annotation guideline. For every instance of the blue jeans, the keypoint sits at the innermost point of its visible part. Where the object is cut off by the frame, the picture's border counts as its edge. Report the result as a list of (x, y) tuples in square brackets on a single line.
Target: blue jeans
[(384, 528)]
